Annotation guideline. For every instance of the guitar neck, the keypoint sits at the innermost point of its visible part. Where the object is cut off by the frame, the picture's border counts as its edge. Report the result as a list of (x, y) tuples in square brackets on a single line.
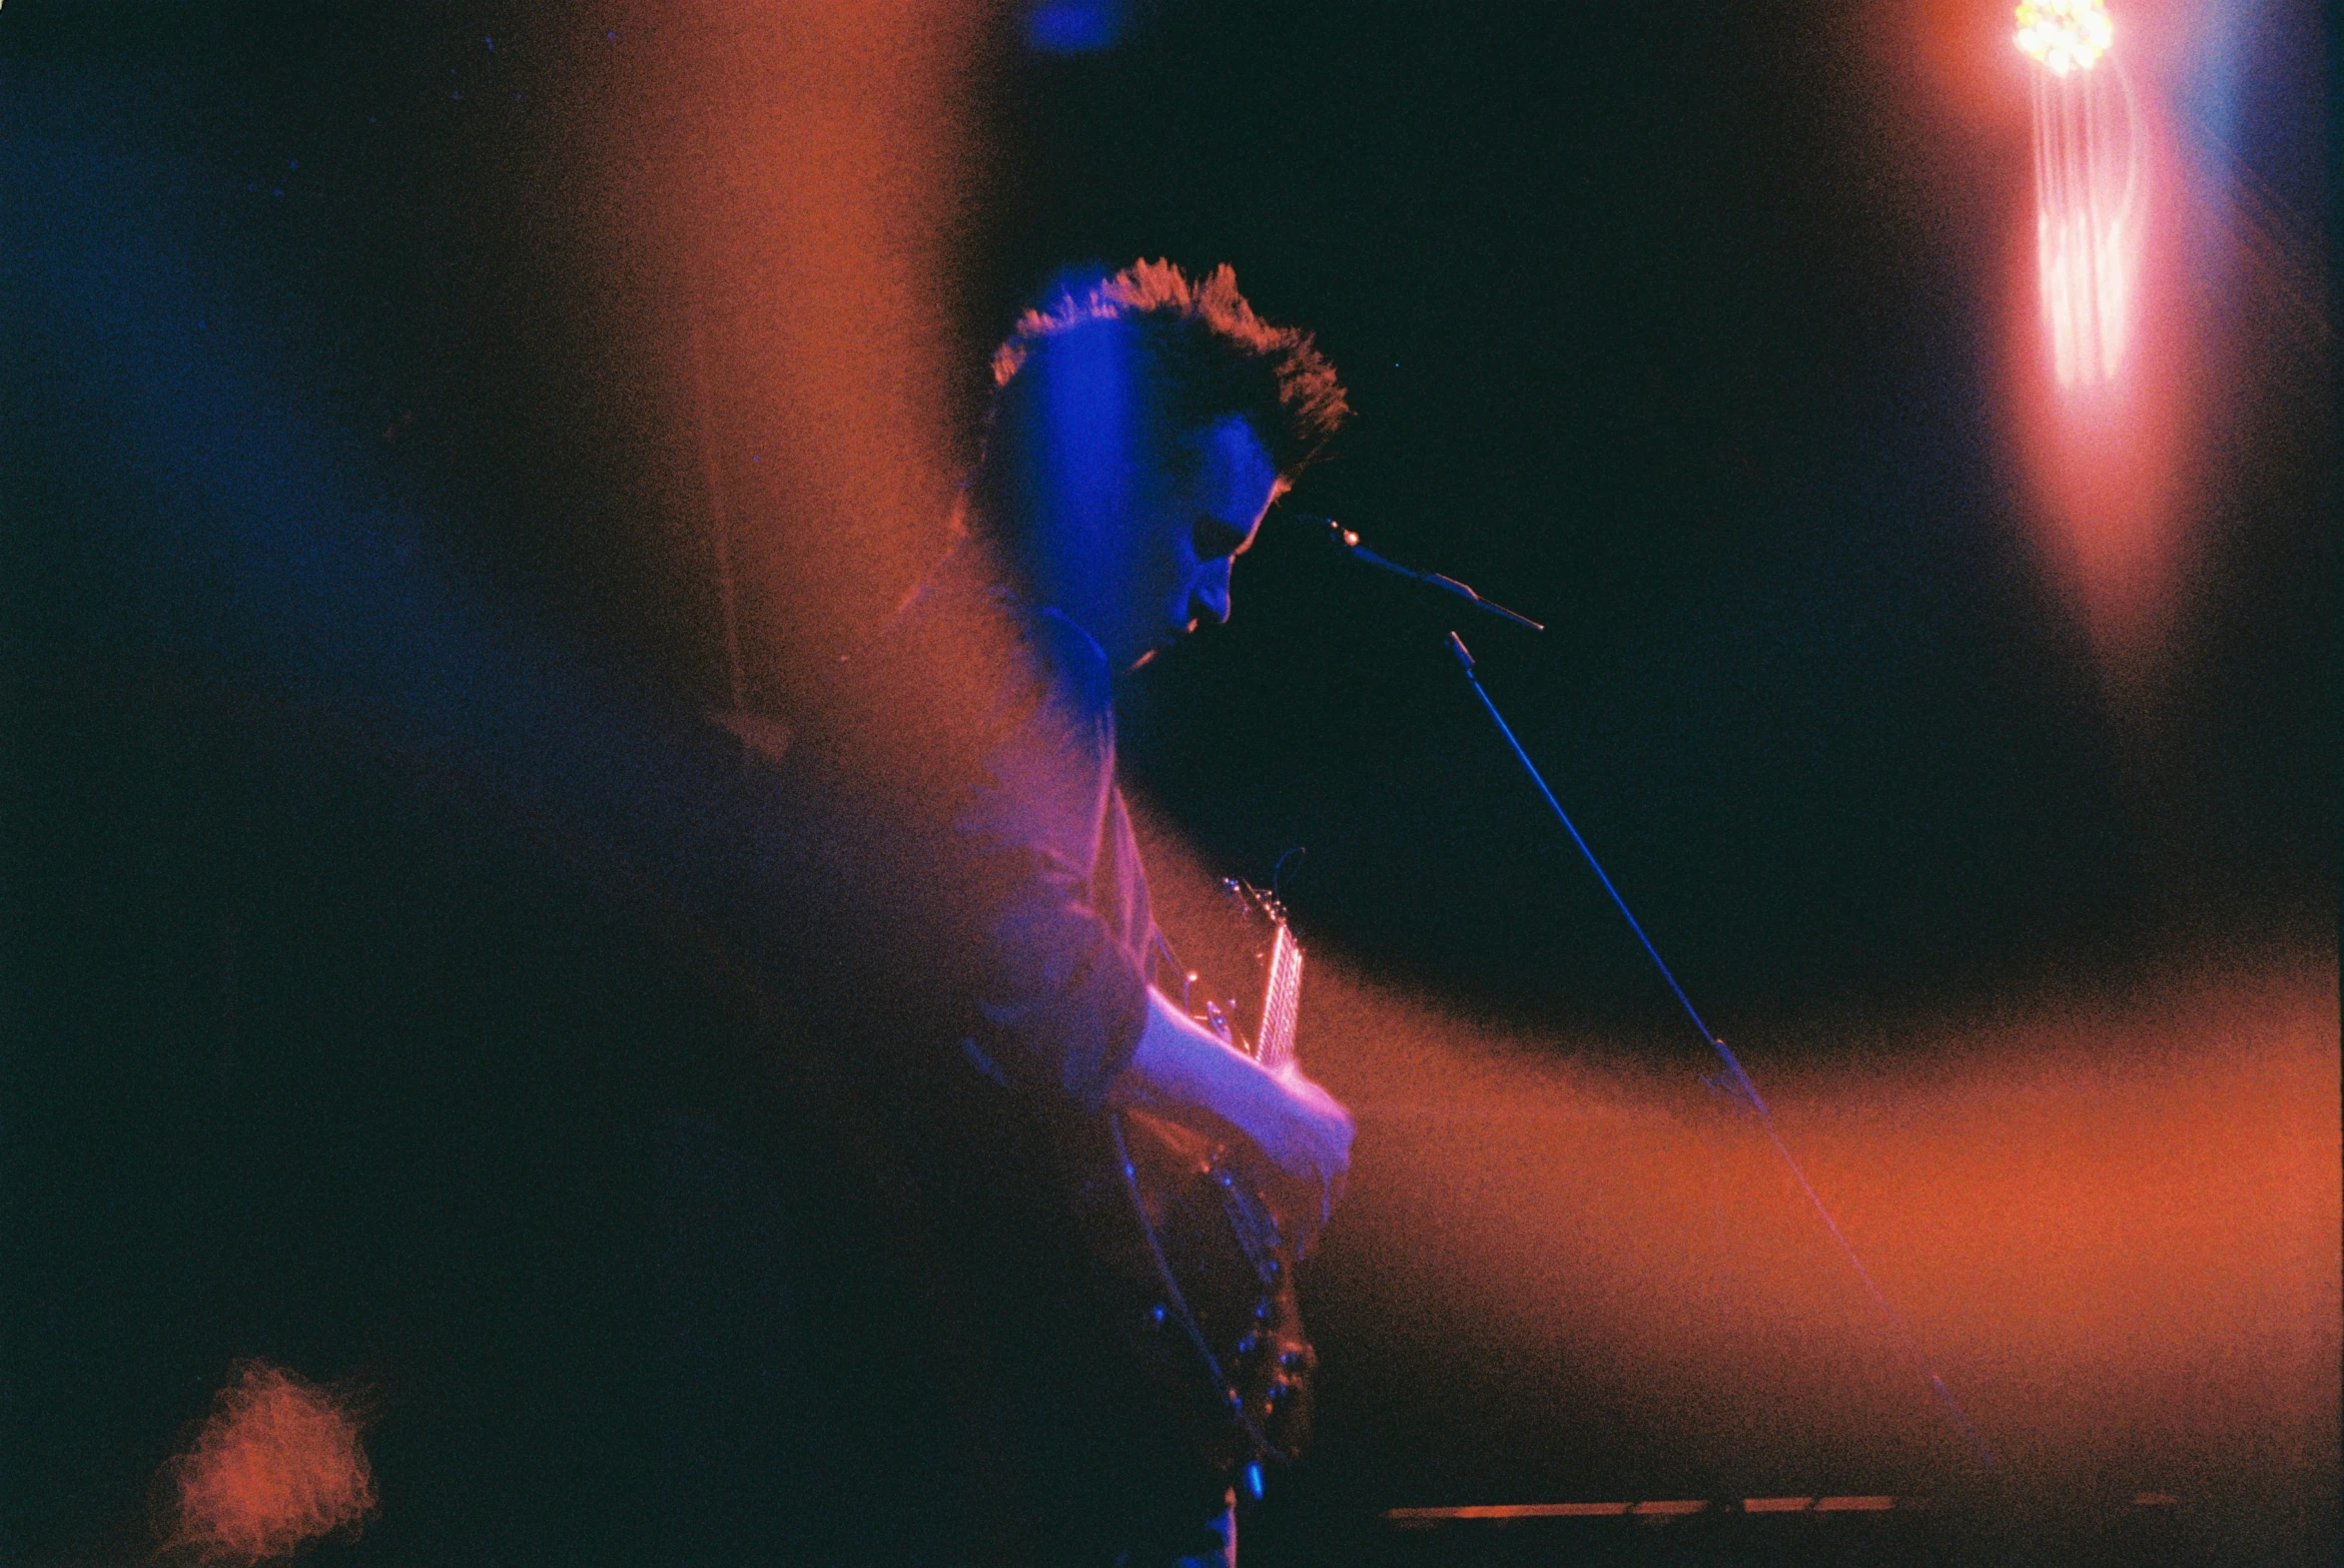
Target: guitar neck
[(1282, 1004)]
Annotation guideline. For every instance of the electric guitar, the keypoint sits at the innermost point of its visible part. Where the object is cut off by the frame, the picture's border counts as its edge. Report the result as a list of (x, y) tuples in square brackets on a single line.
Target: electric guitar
[(1197, 1260)]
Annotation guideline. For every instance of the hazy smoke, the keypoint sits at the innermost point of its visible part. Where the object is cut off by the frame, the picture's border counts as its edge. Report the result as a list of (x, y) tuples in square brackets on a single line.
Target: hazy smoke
[(278, 1464)]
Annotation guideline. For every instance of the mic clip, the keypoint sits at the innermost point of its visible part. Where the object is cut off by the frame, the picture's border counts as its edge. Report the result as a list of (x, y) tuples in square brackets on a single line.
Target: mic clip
[(1344, 539)]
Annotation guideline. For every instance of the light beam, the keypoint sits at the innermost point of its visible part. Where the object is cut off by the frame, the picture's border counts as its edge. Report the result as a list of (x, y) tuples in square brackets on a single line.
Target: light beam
[(2087, 189)]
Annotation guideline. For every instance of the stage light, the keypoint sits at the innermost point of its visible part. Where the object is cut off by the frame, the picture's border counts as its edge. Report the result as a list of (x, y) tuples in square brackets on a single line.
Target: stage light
[(2064, 35), (1074, 27), (2087, 187)]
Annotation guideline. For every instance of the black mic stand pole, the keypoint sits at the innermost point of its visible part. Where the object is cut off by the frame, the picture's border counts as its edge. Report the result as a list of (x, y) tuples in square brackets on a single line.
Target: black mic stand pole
[(1738, 1084)]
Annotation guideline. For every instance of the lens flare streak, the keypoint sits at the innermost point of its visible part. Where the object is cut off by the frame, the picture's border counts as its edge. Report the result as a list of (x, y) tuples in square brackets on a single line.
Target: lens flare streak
[(2088, 218)]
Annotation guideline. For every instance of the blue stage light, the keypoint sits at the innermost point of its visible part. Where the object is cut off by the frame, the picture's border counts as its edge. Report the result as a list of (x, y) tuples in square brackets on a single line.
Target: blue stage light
[(1073, 27)]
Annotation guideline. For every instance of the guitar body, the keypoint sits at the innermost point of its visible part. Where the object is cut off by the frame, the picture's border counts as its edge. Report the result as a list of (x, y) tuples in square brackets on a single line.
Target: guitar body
[(1199, 1269)]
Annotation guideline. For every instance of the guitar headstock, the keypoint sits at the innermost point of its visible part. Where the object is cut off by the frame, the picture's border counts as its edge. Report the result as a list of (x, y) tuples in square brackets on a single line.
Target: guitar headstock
[(1258, 930), (1257, 911)]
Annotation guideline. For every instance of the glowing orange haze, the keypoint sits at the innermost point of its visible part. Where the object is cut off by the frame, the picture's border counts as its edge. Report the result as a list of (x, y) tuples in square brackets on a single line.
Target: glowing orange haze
[(797, 200), (2111, 1221), (277, 1466)]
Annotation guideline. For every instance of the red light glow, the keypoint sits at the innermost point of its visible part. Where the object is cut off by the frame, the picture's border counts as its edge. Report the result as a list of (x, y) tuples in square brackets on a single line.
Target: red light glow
[(2115, 292), (277, 1465), (2106, 352), (803, 197)]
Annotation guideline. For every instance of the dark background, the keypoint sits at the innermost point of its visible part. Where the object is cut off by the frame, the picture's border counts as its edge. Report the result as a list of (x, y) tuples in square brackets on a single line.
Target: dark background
[(1673, 327)]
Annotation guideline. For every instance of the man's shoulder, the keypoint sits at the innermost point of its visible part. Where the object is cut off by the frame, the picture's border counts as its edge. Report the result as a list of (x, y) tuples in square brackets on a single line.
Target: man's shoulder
[(982, 637), (963, 664), (1071, 656)]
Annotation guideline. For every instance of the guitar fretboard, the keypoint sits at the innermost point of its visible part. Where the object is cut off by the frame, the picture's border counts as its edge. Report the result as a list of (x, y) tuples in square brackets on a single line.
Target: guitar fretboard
[(1282, 1005)]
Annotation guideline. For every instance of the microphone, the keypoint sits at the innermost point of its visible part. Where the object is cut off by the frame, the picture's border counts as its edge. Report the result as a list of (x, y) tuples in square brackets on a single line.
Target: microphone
[(1344, 539)]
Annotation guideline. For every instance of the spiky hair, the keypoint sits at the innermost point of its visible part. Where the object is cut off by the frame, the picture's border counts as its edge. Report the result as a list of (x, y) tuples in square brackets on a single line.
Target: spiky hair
[(1211, 356)]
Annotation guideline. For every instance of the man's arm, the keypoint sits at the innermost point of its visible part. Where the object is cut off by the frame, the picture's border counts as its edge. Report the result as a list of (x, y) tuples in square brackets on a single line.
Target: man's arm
[(1181, 1070)]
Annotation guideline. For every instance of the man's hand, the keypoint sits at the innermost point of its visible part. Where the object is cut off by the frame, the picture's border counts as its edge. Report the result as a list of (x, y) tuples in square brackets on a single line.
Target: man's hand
[(1181, 1070)]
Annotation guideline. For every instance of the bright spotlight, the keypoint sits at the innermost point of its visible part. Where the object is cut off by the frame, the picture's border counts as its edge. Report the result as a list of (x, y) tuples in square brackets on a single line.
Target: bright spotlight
[(2064, 35), (2087, 186)]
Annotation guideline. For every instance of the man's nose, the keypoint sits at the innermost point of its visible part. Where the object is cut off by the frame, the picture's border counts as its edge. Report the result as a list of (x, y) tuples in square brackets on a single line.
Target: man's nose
[(1213, 592)]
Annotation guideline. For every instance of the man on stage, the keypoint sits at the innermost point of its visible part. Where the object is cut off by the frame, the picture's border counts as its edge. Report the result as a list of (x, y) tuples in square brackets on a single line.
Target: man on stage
[(1139, 432)]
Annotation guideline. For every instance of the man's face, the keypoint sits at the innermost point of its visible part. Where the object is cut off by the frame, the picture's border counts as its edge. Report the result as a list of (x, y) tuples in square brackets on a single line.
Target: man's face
[(1197, 511)]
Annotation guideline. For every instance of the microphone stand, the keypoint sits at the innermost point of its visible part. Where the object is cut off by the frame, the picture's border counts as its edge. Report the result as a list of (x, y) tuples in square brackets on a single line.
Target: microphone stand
[(1737, 1084), (1345, 540)]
